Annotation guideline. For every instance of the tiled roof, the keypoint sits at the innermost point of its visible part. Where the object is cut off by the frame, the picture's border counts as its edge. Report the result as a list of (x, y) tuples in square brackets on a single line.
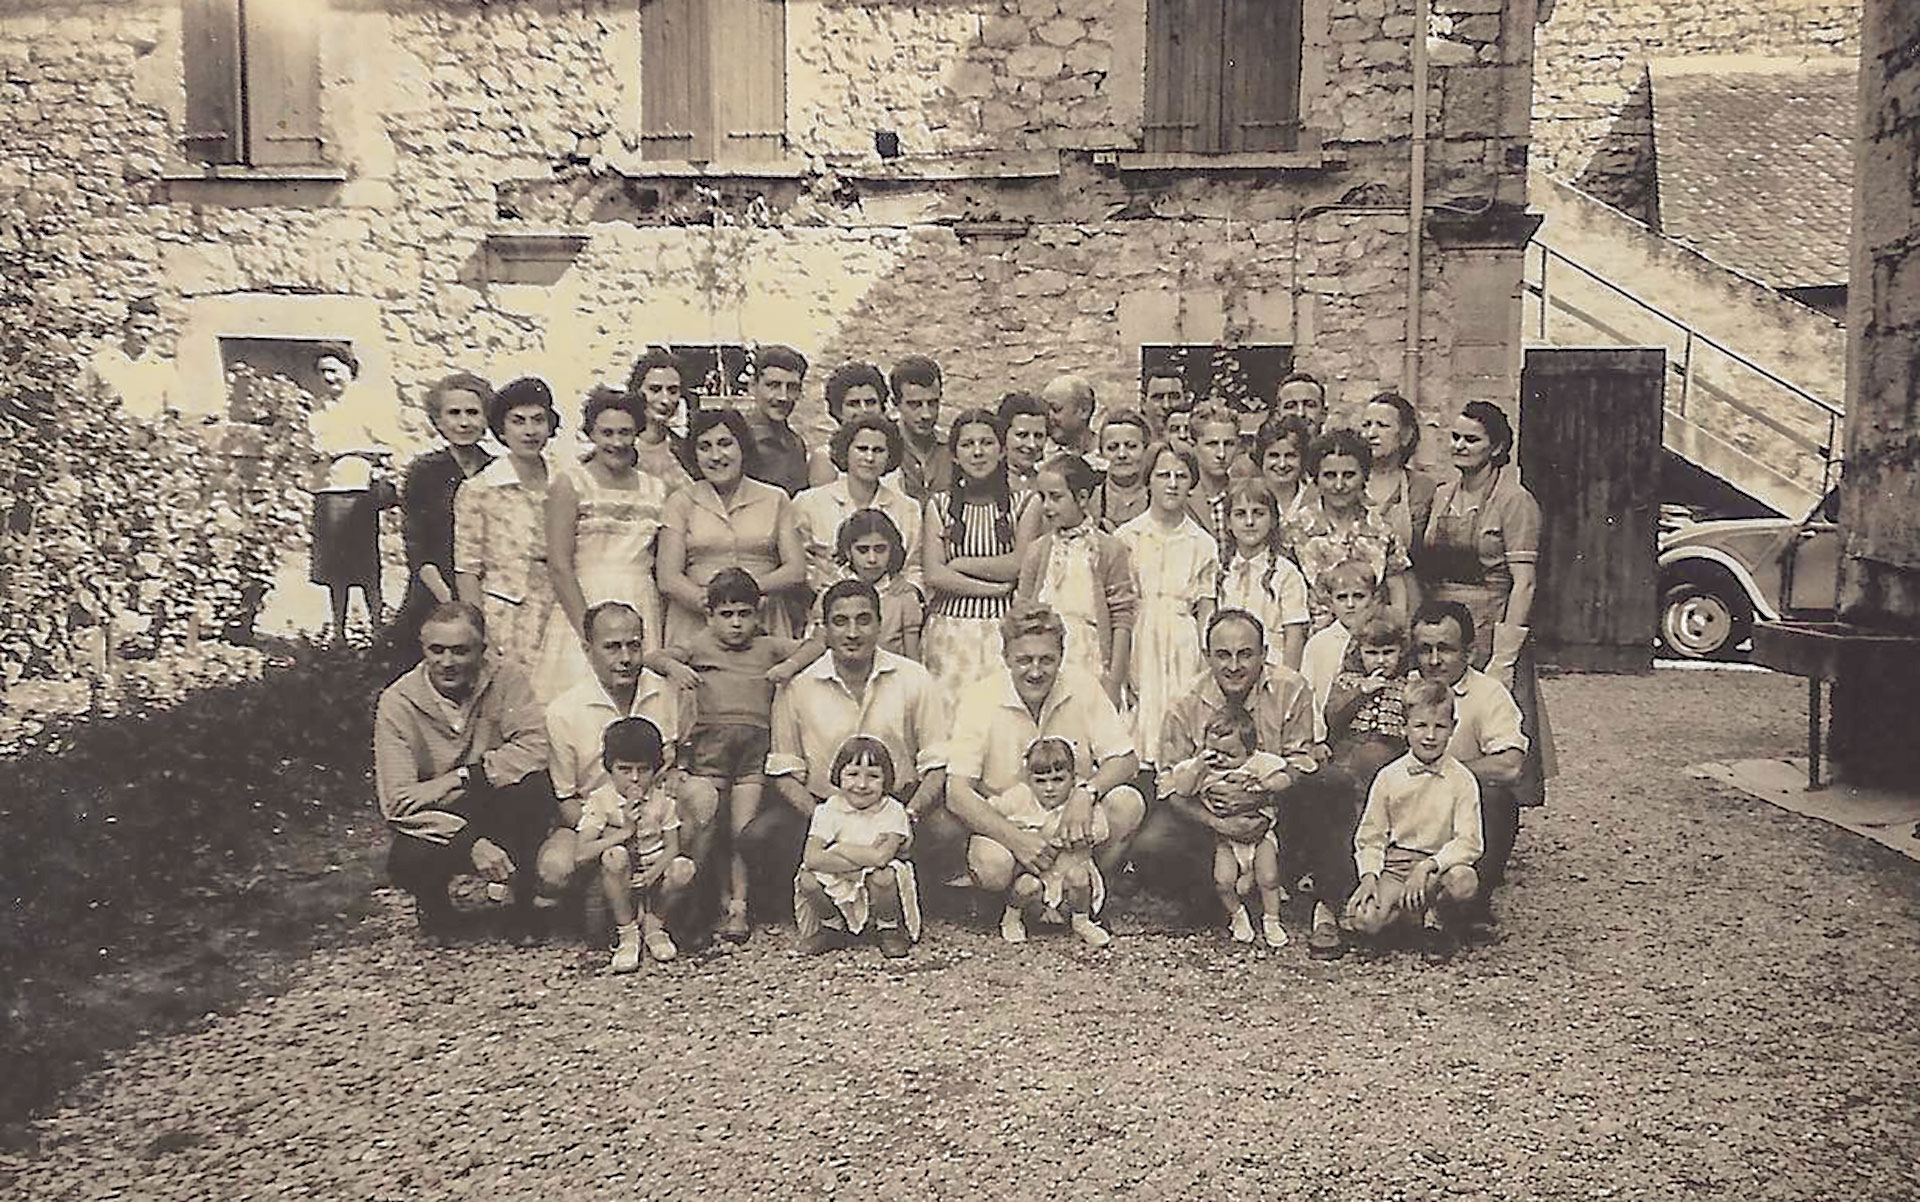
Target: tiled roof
[(1755, 162)]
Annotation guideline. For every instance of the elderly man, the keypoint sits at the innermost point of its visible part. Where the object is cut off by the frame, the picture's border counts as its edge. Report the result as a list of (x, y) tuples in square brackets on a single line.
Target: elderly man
[(459, 756), (1315, 818), (995, 722), (1486, 738), (1070, 403), (577, 719), (856, 688)]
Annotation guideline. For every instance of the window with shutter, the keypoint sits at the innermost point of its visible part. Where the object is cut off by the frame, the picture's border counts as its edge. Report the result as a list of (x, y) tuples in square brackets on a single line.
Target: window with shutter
[(252, 78), (713, 80), (1222, 75)]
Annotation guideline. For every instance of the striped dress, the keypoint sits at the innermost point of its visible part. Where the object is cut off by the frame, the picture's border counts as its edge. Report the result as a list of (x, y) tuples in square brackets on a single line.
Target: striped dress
[(961, 640)]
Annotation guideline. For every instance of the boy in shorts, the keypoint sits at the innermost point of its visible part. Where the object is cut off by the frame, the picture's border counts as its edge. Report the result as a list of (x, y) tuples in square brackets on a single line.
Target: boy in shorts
[(1419, 837), (731, 668), (632, 826)]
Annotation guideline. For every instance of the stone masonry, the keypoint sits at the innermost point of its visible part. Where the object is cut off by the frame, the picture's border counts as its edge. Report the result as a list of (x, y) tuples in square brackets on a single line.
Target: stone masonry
[(1016, 236)]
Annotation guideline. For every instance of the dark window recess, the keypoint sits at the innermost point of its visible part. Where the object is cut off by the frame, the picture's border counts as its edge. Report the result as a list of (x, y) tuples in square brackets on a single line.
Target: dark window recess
[(1223, 76), (252, 77), (1244, 377), (716, 373), (713, 80)]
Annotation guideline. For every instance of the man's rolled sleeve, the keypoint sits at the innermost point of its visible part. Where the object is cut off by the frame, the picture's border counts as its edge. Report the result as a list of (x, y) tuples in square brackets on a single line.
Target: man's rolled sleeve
[(932, 727), (786, 755)]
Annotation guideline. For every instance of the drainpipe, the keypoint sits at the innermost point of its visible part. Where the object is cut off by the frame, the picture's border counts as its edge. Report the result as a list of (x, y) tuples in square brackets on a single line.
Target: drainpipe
[(1416, 202)]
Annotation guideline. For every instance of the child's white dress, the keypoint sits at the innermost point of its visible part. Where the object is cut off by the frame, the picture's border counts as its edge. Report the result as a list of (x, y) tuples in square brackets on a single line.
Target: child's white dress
[(1279, 600), (1019, 806), (1177, 569), (836, 822)]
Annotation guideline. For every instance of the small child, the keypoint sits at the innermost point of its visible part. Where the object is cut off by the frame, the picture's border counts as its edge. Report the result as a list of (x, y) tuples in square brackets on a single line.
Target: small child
[(871, 547), (1072, 884), (632, 827), (1367, 706), (731, 668), (1229, 755), (851, 870), (1350, 590), (1085, 573), (1419, 837)]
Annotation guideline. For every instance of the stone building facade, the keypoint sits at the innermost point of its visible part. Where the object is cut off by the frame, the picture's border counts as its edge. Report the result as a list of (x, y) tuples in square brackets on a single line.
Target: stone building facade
[(496, 186)]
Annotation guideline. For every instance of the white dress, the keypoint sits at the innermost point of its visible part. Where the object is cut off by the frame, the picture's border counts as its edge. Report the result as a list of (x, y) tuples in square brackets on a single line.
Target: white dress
[(1067, 584), (613, 559), (1177, 569), (1245, 584)]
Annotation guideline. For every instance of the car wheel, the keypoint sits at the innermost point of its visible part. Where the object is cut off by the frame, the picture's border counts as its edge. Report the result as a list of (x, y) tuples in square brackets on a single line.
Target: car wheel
[(1700, 621)]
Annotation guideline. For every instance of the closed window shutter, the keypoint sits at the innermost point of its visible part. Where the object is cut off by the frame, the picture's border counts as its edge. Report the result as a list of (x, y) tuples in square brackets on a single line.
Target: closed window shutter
[(1261, 96), (283, 81), (676, 81), (1184, 59), (750, 79), (210, 57)]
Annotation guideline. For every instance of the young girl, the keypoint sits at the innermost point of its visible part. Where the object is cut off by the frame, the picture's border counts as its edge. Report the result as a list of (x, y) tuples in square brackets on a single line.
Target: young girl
[(1350, 591), (851, 871), (1178, 567), (870, 547), (632, 827), (1366, 710), (1072, 884), (1124, 439), (1086, 575), (1255, 573), (1229, 754), (970, 546)]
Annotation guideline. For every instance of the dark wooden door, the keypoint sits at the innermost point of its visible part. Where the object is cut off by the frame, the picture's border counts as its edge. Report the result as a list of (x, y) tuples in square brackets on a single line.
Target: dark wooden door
[(1590, 446)]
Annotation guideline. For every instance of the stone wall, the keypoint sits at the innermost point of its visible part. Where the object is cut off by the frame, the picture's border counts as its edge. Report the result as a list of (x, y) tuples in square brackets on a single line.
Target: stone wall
[(1590, 112), (447, 122)]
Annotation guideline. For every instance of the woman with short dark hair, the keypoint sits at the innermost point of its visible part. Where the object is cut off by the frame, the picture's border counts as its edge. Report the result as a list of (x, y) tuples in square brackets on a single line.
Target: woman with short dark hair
[(499, 527)]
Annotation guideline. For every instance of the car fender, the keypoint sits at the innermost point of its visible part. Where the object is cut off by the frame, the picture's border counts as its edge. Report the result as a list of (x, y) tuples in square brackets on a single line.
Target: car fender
[(1744, 578)]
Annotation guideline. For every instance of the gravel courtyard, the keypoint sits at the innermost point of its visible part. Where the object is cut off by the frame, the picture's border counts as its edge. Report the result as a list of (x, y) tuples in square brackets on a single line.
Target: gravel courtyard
[(1696, 995)]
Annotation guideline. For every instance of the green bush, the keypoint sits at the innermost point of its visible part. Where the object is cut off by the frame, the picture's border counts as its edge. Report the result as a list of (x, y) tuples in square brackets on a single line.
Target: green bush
[(105, 823)]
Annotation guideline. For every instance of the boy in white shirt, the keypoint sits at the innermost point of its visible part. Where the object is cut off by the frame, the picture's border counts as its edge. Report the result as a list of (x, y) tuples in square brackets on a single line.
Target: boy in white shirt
[(632, 826), (1419, 837)]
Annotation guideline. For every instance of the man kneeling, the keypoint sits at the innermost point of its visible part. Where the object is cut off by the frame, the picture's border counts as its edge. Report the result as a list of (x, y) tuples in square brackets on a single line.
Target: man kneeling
[(632, 826), (1420, 835)]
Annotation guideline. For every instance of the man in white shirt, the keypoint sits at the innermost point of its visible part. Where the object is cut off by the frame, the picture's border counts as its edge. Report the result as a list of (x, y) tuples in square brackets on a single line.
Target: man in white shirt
[(995, 722), (577, 719), (855, 688), (129, 371)]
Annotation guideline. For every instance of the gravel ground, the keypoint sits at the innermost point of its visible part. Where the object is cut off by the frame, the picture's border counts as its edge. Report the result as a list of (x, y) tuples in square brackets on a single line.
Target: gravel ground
[(1696, 994)]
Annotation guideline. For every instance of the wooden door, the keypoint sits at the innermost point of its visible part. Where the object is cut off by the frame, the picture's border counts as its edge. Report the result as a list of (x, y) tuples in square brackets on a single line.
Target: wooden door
[(1590, 448)]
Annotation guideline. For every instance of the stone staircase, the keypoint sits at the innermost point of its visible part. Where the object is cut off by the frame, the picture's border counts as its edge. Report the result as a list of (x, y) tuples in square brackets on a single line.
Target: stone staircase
[(1754, 380)]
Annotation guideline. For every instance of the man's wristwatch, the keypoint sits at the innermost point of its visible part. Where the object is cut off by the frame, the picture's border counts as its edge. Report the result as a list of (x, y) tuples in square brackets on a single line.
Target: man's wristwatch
[(464, 775)]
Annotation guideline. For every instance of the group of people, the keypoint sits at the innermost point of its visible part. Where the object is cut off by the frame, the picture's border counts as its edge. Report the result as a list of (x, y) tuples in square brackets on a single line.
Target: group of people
[(1052, 653)]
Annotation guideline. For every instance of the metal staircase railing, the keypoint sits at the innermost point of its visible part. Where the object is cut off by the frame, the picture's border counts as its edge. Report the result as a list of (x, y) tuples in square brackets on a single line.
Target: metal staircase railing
[(1819, 409)]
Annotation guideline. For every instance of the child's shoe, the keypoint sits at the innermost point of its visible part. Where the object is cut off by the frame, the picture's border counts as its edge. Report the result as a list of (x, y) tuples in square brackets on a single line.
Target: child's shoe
[(893, 942), (660, 945), (1270, 928), (626, 953), (1241, 928), (1091, 933), (1013, 926)]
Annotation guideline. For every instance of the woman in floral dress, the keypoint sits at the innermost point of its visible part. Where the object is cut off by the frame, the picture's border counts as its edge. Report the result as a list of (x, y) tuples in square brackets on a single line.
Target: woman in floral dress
[(499, 527)]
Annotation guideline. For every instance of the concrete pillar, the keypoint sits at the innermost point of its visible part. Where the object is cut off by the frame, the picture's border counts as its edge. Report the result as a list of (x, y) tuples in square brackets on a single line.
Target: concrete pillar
[(1876, 714)]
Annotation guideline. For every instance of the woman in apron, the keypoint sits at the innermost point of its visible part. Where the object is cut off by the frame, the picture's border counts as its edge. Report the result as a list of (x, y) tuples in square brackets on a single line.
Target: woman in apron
[(1480, 549)]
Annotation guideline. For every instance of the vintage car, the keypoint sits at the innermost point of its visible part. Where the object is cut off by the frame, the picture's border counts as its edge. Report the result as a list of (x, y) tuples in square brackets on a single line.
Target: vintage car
[(1718, 576)]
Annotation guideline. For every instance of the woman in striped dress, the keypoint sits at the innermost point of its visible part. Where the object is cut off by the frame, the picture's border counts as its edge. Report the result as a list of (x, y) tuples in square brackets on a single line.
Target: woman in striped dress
[(970, 549)]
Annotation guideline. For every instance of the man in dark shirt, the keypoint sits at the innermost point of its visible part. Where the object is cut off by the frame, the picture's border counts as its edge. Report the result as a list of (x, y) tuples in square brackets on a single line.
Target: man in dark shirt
[(780, 454), (925, 466)]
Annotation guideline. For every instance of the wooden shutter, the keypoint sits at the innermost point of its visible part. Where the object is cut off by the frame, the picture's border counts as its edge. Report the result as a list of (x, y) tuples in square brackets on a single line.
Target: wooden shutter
[(676, 81), (1260, 99), (750, 79), (282, 81), (1184, 62), (210, 56)]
